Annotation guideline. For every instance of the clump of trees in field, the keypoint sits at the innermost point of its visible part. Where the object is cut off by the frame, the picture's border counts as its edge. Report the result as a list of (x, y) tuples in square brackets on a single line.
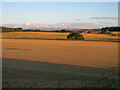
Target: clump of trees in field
[(6, 29), (75, 36), (109, 29)]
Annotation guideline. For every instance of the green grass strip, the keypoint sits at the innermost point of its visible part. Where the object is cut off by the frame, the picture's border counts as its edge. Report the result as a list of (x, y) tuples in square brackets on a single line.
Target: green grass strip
[(16, 49)]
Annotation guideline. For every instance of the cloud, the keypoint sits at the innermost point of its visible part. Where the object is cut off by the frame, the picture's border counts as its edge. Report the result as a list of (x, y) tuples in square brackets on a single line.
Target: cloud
[(104, 18), (106, 23), (26, 24), (80, 25), (78, 19), (64, 25)]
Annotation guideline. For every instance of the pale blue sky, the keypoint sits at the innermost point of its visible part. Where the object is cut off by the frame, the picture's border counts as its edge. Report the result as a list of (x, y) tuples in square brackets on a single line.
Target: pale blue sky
[(61, 14)]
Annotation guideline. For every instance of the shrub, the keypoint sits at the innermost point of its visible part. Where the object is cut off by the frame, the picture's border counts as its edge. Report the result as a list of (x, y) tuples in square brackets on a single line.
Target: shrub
[(75, 36)]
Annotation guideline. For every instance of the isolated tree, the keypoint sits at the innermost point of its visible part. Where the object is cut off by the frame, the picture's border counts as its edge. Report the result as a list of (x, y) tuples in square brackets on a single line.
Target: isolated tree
[(63, 30), (75, 36), (104, 29)]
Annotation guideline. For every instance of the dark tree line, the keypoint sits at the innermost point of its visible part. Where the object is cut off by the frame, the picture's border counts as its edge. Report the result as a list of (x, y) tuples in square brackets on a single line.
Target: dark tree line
[(29, 30), (6, 29), (105, 29), (62, 31)]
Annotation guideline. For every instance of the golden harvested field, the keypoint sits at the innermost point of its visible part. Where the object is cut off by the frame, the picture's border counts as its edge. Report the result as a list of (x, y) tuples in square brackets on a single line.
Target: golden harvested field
[(35, 35), (116, 33), (83, 53), (55, 36)]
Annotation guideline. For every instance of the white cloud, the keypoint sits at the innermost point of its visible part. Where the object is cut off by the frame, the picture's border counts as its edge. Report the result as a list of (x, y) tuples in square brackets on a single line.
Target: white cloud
[(26, 24), (104, 18), (77, 25)]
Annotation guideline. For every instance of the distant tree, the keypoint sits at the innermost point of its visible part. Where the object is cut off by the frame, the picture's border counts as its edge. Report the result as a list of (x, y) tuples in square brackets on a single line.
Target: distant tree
[(75, 36), (6, 29), (103, 30), (18, 29), (64, 31), (114, 29)]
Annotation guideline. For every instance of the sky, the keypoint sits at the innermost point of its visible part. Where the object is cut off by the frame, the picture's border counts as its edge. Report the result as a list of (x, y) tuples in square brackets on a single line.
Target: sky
[(60, 15)]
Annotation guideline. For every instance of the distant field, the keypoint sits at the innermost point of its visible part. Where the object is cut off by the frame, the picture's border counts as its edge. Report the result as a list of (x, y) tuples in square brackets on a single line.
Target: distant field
[(55, 36), (116, 33), (34, 35)]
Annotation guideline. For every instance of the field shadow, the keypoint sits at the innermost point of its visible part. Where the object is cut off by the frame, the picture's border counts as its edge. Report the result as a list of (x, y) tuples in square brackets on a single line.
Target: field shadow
[(34, 74)]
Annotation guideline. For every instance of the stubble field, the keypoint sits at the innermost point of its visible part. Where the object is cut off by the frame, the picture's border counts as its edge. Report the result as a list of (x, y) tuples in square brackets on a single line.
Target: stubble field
[(85, 53)]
